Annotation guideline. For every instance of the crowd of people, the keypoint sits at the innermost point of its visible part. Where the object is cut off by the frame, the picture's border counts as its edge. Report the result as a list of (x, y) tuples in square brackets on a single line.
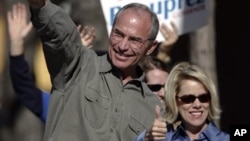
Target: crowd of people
[(23, 82), (128, 93)]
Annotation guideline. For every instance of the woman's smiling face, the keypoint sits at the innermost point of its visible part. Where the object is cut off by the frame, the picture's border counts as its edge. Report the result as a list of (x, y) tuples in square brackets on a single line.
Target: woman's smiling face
[(193, 114)]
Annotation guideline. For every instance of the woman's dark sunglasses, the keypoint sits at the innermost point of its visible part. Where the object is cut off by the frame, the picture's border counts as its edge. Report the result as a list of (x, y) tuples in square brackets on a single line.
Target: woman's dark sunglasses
[(155, 87), (203, 98)]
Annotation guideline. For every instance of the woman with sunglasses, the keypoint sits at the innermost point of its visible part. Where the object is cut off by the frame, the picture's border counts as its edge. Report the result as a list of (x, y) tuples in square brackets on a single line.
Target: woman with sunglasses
[(156, 74), (191, 98)]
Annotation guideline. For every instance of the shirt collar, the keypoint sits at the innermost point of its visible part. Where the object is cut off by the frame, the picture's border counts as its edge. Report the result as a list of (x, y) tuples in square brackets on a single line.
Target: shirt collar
[(209, 133), (106, 66)]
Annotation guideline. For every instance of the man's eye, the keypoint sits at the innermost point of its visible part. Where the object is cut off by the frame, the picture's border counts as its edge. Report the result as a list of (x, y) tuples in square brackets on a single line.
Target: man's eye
[(118, 35), (136, 40)]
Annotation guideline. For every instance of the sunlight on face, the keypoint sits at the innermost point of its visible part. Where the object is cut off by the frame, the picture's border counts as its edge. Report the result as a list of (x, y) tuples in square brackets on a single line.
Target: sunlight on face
[(194, 114), (128, 39)]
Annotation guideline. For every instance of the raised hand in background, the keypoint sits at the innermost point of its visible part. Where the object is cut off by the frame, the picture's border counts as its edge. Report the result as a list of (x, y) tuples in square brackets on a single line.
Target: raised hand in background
[(170, 37), (18, 28)]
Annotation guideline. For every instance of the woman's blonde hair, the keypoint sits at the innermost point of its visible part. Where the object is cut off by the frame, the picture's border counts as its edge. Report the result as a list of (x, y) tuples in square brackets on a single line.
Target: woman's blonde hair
[(185, 70)]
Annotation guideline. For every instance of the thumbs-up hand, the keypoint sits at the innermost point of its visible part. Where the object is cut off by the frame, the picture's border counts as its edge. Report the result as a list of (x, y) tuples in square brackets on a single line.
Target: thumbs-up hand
[(159, 128)]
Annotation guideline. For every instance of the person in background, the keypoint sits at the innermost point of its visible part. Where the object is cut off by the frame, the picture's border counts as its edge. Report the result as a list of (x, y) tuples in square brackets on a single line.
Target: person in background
[(156, 66), (191, 97), (19, 27), (156, 74)]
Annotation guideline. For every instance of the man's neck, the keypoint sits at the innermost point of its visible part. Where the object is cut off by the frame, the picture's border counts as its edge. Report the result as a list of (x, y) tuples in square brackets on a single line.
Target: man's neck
[(128, 75)]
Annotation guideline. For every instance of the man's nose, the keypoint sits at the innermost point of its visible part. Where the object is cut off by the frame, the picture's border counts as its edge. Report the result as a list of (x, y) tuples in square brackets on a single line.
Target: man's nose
[(124, 44)]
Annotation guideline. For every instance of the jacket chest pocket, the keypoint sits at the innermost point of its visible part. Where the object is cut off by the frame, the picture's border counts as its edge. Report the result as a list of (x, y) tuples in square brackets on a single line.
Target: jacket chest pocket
[(96, 107), (135, 125)]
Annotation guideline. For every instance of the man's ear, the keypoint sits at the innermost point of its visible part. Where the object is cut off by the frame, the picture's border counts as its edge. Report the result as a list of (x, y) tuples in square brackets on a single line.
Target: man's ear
[(152, 47)]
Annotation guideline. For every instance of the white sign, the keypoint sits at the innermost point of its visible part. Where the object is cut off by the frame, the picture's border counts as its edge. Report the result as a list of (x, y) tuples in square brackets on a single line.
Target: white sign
[(187, 15)]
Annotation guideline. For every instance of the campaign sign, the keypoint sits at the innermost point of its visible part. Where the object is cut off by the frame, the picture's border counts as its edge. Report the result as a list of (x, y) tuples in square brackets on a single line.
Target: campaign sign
[(187, 15)]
